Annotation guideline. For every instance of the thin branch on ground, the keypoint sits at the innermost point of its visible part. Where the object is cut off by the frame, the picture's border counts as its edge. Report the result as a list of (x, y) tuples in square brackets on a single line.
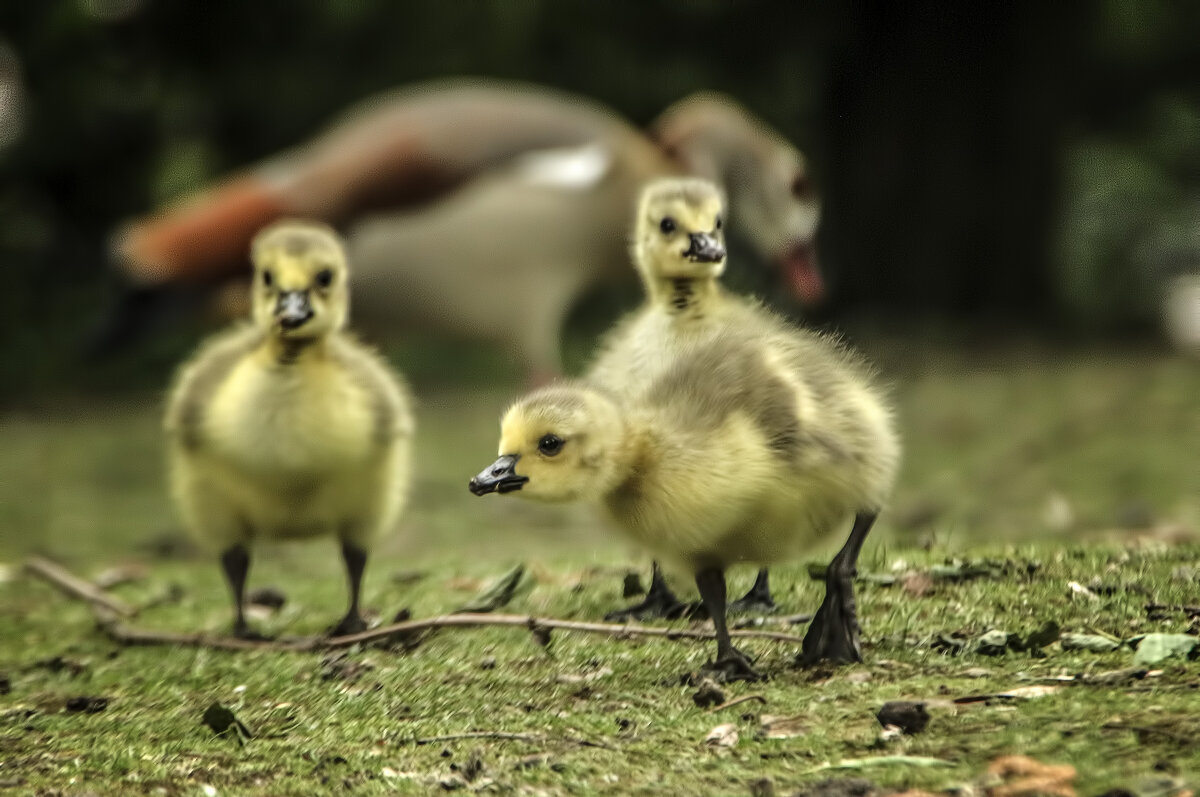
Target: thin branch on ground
[(76, 587), (129, 635), (504, 735), (108, 612), (737, 701)]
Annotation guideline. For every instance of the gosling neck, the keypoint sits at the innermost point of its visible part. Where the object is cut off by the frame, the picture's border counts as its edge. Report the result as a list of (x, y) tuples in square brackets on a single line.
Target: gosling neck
[(685, 297), (285, 352)]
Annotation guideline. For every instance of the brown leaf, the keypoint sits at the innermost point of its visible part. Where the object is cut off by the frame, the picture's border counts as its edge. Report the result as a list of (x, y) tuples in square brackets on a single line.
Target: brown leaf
[(725, 735), (775, 726)]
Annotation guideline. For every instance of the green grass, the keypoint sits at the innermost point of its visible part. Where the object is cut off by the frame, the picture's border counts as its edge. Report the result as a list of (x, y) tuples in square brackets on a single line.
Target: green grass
[(996, 446)]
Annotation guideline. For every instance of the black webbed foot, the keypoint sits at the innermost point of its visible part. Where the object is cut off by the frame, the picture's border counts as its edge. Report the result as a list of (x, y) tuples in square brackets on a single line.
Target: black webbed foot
[(660, 601), (732, 666), (757, 600), (352, 623), (833, 633)]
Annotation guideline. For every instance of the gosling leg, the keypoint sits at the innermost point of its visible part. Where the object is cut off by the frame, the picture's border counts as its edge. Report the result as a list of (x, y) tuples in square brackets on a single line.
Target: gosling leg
[(731, 664), (356, 562), (833, 633), (236, 563), (660, 601), (758, 599)]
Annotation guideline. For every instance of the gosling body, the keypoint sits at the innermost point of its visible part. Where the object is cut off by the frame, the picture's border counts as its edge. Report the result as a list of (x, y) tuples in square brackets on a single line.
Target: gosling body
[(735, 452), (287, 427)]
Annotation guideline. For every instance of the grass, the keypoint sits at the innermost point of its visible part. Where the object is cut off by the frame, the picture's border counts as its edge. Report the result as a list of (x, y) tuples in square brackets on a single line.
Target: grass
[(1037, 459)]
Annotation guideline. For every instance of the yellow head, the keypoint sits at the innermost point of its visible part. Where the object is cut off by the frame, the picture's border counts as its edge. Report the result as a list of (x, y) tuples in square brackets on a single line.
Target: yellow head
[(559, 443), (679, 230), (300, 290)]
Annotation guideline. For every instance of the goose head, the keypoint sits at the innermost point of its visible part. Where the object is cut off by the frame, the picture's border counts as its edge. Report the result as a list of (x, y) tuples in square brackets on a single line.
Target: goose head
[(559, 443), (300, 274), (679, 231)]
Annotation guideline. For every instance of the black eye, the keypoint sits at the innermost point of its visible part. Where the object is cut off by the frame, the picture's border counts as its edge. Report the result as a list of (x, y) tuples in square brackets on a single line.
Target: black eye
[(550, 444), (719, 222), (268, 280), (801, 186), (324, 278), (667, 225)]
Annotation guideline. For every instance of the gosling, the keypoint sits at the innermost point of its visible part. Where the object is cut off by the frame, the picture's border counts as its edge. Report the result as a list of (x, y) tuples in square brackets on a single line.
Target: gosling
[(737, 452), (678, 249), (288, 427)]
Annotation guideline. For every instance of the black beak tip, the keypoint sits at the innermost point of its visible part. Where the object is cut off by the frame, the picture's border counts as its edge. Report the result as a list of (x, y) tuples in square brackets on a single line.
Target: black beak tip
[(479, 488)]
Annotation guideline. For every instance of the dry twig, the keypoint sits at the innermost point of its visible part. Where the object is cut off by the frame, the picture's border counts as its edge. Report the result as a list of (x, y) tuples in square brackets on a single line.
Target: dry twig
[(737, 701), (76, 587), (109, 610), (505, 735)]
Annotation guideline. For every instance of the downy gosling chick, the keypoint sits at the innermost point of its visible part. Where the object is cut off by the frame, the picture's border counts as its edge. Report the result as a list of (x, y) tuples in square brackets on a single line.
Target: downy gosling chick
[(678, 249), (736, 452), (288, 427)]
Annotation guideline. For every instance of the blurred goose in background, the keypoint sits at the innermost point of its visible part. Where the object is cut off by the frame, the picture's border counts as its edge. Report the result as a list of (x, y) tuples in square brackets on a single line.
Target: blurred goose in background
[(737, 452), (679, 253), (483, 209), (288, 427)]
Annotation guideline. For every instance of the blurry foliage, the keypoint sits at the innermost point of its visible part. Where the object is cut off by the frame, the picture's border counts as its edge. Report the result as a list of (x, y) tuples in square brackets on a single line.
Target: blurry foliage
[(935, 130)]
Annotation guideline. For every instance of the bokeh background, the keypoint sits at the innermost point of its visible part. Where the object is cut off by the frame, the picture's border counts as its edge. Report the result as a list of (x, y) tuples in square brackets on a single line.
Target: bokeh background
[(1009, 189)]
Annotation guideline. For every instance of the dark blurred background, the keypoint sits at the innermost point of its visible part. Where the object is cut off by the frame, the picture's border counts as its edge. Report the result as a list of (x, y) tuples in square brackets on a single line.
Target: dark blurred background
[(1030, 163)]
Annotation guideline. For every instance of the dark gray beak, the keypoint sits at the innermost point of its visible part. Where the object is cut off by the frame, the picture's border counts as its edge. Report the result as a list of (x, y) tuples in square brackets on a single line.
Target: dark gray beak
[(499, 477), (705, 248), (293, 309)]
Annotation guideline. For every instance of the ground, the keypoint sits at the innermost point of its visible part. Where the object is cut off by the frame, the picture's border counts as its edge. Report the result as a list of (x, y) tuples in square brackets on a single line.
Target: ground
[(1026, 472)]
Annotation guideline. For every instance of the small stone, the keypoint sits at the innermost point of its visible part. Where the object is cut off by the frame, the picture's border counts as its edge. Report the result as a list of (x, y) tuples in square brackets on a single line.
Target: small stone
[(267, 597), (708, 694), (909, 716), (87, 705)]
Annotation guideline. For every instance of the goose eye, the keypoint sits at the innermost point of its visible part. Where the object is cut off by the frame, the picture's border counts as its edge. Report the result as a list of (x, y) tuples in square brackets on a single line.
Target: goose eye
[(267, 279), (550, 444), (801, 186), (324, 278), (667, 225)]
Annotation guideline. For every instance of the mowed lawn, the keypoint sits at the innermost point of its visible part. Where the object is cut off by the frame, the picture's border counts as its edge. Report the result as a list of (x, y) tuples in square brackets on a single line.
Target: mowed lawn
[(1039, 486)]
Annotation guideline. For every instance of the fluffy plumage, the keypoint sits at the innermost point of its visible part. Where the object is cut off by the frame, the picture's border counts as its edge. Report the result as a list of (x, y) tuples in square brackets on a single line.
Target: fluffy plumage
[(287, 427)]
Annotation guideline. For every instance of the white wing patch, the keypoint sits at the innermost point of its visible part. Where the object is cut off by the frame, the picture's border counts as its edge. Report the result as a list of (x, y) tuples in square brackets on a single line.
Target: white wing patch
[(572, 168)]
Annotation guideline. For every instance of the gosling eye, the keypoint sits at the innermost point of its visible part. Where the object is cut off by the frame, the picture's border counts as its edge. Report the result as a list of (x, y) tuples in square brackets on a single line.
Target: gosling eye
[(550, 445), (324, 278), (667, 225), (719, 222), (267, 279)]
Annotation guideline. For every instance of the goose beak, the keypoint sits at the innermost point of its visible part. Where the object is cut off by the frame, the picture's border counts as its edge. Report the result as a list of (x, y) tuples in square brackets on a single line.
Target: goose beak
[(293, 309), (704, 248), (499, 477)]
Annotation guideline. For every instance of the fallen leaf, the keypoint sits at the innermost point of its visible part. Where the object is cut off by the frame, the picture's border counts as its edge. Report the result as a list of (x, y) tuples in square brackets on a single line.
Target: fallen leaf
[(1155, 648), (993, 643), (883, 761), (774, 726), (495, 595), (916, 583), (1089, 642), (1078, 589), (725, 735), (1047, 634), (1030, 692)]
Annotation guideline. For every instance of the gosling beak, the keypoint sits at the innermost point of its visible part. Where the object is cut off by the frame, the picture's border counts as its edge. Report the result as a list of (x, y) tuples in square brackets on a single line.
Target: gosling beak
[(498, 477), (293, 309), (704, 248)]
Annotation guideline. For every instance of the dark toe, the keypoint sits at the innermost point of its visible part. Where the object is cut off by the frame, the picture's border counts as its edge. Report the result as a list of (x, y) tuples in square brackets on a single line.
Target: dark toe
[(350, 624), (752, 605), (735, 666)]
